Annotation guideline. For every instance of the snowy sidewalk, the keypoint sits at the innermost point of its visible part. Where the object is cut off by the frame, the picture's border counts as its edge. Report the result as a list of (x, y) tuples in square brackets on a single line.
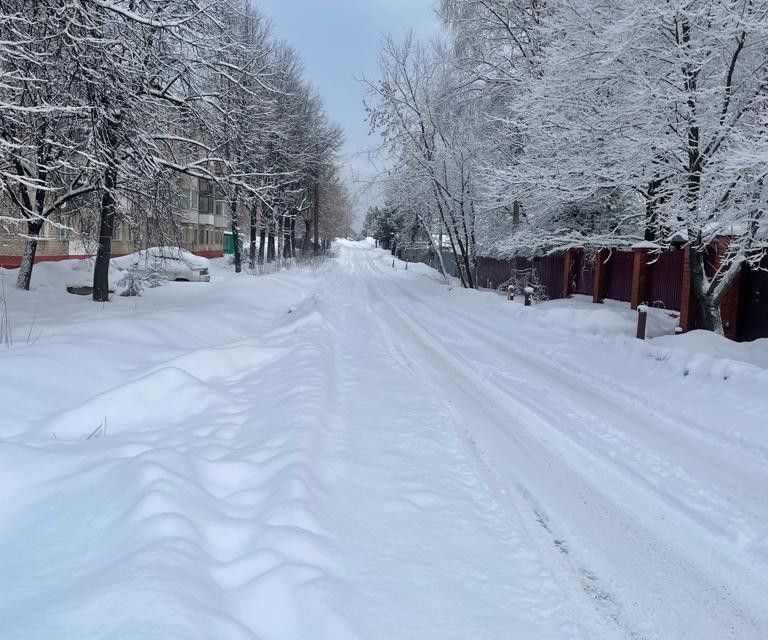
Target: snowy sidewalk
[(363, 452)]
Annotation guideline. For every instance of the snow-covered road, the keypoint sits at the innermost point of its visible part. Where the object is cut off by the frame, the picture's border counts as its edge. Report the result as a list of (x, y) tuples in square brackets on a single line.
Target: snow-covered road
[(365, 452)]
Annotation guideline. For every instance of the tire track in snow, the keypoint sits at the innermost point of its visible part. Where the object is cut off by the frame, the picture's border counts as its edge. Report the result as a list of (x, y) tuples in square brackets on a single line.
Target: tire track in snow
[(435, 550), (721, 603), (601, 413), (576, 575)]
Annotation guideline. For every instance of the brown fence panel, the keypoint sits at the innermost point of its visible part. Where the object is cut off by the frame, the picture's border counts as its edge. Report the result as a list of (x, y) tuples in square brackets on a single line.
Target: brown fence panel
[(550, 273), (753, 308), (618, 282), (584, 268), (492, 272), (522, 263), (665, 279)]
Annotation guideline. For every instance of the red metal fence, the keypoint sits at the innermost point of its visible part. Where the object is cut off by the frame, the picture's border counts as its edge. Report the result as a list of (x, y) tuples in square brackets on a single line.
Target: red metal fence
[(753, 307), (492, 272), (664, 279), (584, 273), (618, 275), (656, 279), (549, 270)]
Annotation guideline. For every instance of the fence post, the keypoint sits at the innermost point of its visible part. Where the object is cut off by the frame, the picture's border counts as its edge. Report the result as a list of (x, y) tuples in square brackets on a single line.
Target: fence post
[(639, 293), (528, 293), (642, 321), (393, 263), (510, 292)]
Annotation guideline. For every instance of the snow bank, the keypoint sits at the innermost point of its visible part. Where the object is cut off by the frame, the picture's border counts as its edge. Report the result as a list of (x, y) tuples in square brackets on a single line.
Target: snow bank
[(611, 318), (193, 513), (151, 401), (718, 347), (161, 257)]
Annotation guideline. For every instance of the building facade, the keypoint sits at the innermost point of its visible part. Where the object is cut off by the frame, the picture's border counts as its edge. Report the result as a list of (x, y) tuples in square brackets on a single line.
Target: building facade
[(199, 227)]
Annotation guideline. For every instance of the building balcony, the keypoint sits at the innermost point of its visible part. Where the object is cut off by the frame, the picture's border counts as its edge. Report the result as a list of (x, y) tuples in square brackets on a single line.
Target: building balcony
[(189, 215), (220, 221), (205, 218)]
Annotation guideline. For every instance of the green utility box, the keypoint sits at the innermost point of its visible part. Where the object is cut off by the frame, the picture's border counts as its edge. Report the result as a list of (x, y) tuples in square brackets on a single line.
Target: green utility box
[(229, 244)]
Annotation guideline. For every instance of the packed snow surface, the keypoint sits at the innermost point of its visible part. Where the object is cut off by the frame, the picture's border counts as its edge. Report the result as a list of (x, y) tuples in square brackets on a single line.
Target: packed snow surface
[(362, 452)]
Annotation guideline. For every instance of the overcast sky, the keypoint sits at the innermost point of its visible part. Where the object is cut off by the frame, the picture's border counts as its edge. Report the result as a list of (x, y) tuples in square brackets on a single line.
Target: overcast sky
[(338, 42)]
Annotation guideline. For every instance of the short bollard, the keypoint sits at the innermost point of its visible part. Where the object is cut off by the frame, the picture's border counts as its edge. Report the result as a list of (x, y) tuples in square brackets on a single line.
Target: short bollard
[(393, 263), (528, 293), (642, 321), (510, 293), (406, 266)]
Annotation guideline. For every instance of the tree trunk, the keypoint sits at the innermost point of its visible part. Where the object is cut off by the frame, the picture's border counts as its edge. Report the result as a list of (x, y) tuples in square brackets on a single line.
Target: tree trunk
[(252, 248), (106, 229), (271, 243), (262, 243), (279, 235), (470, 274), (307, 242), (33, 230), (30, 249), (293, 236), (316, 218), (707, 310), (287, 239), (236, 244)]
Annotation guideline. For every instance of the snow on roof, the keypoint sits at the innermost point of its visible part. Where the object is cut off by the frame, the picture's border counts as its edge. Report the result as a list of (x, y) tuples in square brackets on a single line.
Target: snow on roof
[(646, 244)]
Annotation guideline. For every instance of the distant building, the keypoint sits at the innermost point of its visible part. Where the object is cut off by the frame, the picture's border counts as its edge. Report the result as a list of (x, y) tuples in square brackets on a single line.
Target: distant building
[(200, 226)]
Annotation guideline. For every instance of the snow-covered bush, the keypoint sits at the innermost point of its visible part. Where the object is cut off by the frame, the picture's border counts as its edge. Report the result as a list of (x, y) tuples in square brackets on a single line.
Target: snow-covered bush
[(131, 283), (135, 279)]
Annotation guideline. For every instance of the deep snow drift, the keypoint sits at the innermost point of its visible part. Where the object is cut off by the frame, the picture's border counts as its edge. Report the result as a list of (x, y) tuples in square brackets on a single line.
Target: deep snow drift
[(365, 452)]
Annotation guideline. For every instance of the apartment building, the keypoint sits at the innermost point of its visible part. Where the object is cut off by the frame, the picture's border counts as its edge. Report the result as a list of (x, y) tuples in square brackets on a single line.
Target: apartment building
[(201, 222)]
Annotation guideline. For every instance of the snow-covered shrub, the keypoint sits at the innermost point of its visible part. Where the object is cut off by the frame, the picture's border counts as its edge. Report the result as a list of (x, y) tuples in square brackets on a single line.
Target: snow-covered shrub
[(154, 277), (131, 283), (135, 279), (522, 279)]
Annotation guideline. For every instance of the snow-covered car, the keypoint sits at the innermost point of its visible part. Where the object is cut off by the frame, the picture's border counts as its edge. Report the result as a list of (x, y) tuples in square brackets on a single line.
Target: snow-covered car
[(171, 263)]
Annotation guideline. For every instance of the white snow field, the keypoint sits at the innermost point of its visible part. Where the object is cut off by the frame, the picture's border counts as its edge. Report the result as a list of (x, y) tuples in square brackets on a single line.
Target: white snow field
[(364, 452)]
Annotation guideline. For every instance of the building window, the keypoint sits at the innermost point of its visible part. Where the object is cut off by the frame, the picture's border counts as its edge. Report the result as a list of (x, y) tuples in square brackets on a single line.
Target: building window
[(190, 198), (219, 207), (63, 231), (205, 186)]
